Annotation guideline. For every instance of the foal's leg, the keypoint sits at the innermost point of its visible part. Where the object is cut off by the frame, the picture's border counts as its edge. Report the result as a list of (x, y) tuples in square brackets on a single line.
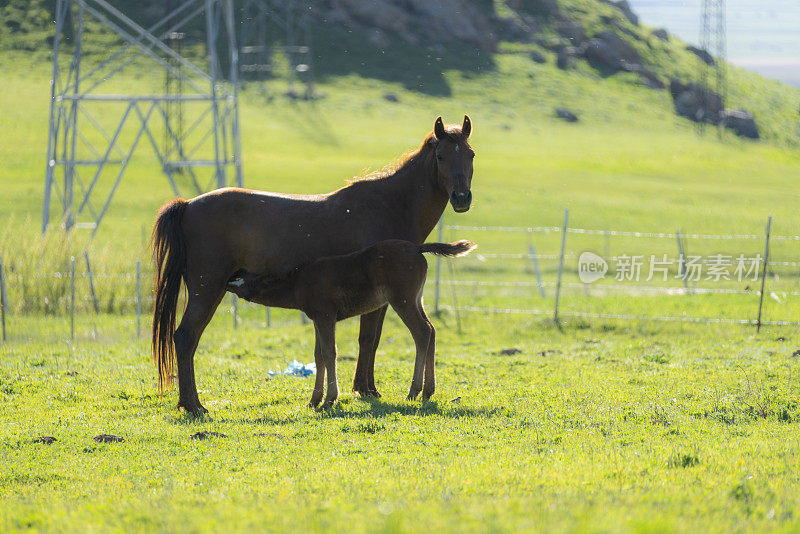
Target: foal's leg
[(319, 382), (421, 331), (326, 334), (368, 338)]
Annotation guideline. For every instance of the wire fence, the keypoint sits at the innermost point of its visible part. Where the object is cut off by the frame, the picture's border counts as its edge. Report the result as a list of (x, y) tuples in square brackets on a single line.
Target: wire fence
[(778, 279), (499, 280)]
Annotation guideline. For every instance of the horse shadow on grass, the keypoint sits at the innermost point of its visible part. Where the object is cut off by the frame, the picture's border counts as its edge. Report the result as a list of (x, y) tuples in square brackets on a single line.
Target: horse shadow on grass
[(375, 409)]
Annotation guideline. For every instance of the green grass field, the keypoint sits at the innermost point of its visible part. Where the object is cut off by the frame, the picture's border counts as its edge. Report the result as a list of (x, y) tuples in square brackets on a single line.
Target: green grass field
[(605, 426)]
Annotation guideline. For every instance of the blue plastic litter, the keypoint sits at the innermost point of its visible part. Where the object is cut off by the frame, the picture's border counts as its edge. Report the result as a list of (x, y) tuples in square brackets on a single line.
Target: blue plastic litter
[(297, 369)]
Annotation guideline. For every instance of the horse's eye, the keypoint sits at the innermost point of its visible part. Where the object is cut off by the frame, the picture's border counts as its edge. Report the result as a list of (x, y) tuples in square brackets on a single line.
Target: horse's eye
[(439, 157)]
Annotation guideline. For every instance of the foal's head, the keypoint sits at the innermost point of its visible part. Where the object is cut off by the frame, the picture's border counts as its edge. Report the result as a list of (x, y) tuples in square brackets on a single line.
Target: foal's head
[(454, 162)]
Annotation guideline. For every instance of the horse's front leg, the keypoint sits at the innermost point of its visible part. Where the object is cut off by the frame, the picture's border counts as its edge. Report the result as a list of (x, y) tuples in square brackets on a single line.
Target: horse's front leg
[(368, 338)]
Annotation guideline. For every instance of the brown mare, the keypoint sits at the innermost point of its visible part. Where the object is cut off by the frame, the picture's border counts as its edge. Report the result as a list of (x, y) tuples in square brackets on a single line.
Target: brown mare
[(205, 241), (334, 288)]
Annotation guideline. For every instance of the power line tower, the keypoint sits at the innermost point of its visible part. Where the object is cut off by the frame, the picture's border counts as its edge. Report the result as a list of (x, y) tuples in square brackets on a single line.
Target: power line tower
[(714, 40), (97, 120), (270, 26)]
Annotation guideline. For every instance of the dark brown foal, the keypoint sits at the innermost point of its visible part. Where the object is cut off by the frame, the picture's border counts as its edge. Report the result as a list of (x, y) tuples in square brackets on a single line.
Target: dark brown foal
[(337, 287)]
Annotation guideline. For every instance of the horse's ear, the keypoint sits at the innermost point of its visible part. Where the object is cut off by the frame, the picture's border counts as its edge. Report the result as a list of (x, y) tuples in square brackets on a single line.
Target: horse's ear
[(438, 129), (466, 128)]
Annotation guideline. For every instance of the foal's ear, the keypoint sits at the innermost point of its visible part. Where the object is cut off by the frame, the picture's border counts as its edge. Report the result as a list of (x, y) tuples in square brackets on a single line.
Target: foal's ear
[(438, 129), (466, 128)]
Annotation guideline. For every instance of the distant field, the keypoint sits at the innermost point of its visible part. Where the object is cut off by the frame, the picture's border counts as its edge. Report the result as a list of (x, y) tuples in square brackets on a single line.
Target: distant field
[(606, 425)]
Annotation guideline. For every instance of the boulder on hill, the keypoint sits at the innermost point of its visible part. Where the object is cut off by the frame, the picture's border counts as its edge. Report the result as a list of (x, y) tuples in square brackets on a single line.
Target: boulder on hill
[(547, 8), (661, 33), (565, 55), (695, 102), (442, 20), (702, 54), (572, 31), (626, 10), (741, 123), (602, 56), (538, 57), (649, 77), (620, 46), (567, 115)]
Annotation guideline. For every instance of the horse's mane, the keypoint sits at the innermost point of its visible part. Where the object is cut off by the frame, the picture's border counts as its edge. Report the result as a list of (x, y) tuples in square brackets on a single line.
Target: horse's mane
[(409, 160)]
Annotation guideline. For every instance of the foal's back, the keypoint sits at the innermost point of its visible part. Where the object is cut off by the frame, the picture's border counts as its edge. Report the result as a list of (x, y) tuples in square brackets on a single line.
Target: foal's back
[(389, 272)]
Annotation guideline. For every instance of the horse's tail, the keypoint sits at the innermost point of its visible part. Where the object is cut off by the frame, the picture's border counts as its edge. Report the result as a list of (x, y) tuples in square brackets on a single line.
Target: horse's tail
[(169, 256), (459, 248)]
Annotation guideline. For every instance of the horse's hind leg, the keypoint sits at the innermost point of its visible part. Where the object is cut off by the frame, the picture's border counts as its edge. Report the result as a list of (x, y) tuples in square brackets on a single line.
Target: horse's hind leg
[(201, 304), (368, 338)]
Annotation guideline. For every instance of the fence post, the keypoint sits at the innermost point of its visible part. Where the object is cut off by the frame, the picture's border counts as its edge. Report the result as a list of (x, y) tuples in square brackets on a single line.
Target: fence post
[(438, 271), (455, 297), (532, 251), (268, 316), (3, 300), (682, 261), (91, 282), (138, 298), (763, 275), (561, 264), (72, 304), (235, 311)]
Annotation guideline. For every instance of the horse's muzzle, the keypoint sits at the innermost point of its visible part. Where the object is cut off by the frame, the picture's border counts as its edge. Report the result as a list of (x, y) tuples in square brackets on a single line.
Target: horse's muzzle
[(461, 200)]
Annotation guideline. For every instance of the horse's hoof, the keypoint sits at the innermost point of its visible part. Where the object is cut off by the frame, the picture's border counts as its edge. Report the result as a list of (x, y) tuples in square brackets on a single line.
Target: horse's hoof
[(412, 395), (375, 393), (313, 403), (195, 410), (365, 393), (426, 395), (328, 404)]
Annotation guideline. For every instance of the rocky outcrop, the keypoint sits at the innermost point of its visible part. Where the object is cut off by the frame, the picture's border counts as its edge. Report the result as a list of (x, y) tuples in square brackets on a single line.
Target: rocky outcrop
[(415, 20), (661, 33), (704, 105), (626, 10), (702, 54), (567, 115), (565, 55), (741, 123), (573, 32), (620, 46), (695, 102)]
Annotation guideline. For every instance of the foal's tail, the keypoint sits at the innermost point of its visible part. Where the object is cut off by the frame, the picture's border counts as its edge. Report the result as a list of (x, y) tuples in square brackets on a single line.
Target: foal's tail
[(459, 248), (169, 256)]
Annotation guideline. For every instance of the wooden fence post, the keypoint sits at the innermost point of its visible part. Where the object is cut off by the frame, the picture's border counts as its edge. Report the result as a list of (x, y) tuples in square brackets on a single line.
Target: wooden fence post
[(91, 282), (532, 252), (3, 299), (138, 298), (763, 275), (682, 262), (72, 304), (561, 264)]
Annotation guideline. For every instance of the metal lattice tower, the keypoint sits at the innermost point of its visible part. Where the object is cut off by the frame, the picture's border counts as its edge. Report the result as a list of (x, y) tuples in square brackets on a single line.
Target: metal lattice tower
[(95, 130), (265, 24), (714, 39)]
